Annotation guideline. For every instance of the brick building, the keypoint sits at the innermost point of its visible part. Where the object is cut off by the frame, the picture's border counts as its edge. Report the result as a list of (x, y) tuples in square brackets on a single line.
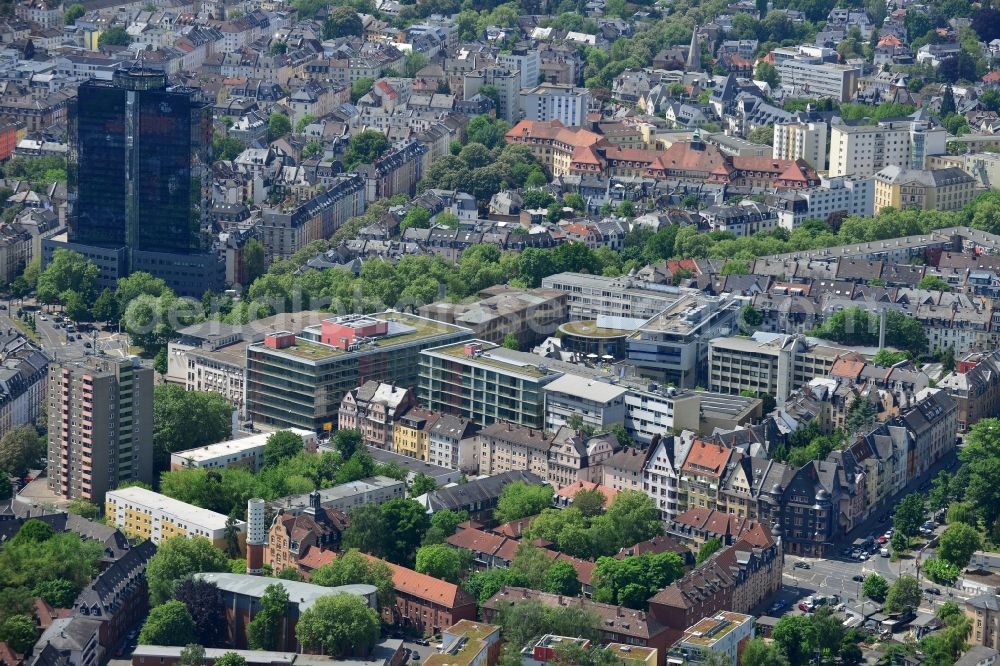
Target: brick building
[(426, 604), (292, 535), (735, 579)]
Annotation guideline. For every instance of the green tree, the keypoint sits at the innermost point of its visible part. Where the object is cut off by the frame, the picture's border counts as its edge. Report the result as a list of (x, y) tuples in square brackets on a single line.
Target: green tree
[(175, 409), (875, 587), (510, 342), (414, 62), (767, 73), (168, 624), (6, 487), (192, 655), (303, 122), (561, 578), (958, 543), (353, 567), (84, 508), (960, 512), (886, 358), (58, 593), (68, 272), (20, 448), (940, 493), (360, 88), (339, 625), (264, 630), (909, 514), (422, 484), (105, 307), (19, 633), (904, 594), (392, 530), (280, 446), (226, 147), (178, 558), (709, 548), (114, 36), (520, 500), (342, 22), (794, 634), (231, 659), (440, 561), (981, 457), (758, 652), (254, 261), (312, 148), (416, 218), (940, 571), (443, 525), (73, 12), (933, 283), (278, 125), (589, 502), (364, 148)]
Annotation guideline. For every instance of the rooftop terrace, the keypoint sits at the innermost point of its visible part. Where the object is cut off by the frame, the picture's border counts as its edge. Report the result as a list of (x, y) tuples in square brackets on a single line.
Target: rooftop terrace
[(414, 329)]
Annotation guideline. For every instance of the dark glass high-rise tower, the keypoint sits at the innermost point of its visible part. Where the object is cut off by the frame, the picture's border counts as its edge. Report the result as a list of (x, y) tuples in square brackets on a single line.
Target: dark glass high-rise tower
[(139, 148), (140, 177)]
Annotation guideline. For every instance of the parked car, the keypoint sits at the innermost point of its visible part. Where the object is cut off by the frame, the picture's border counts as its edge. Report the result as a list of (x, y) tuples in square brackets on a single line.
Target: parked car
[(857, 578), (777, 607), (422, 641), (882, 539), (802, 565), (933, 590)]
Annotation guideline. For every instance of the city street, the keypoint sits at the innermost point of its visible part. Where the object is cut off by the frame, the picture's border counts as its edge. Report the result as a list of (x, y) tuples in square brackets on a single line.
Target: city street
[(58, 343)]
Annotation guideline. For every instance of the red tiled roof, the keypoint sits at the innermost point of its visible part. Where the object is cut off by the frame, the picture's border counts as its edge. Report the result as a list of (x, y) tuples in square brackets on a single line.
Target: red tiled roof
[(847, 367), (476, 541), (427, 588), (706, 458), (515, 528), (570, 491), (316, 558), (992, 76)]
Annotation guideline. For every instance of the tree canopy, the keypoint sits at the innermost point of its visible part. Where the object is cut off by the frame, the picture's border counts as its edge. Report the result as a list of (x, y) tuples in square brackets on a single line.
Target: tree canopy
[(169, 623), (178, 558), (339, 625)]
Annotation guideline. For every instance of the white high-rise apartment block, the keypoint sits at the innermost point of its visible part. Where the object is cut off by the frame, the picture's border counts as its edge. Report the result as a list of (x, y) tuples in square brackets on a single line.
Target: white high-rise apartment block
[(866, 150), (801, 140), (554, 101)]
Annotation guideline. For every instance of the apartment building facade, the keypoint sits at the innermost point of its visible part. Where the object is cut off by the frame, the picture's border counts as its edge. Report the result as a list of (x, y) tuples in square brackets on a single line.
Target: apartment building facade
[(411, 433), (593, 295), (850, 195), (597, 403), (552, 101), (244, 452), (768, 363), (285, 231), (300, 380), (820, 79), (143, 513), (485, 383), (945, 189), (100, 418), (452, 443), (801, 140), (864, 150), (373, 409)]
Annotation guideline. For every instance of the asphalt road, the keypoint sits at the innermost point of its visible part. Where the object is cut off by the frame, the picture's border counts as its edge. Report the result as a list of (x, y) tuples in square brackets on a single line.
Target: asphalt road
[(59, 344)]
